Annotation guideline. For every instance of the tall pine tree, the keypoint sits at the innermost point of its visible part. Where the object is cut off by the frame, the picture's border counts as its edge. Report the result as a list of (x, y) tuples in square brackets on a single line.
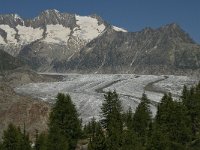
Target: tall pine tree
[(142, 119), (97, 138), (191, 100), (64, 121), (41, 141), (128, 118), (171, 129), (14, 139), (111, 121)]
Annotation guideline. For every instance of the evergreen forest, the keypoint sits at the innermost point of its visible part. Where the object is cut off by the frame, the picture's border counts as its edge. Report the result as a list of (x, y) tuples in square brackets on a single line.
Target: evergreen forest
[(176, 126)]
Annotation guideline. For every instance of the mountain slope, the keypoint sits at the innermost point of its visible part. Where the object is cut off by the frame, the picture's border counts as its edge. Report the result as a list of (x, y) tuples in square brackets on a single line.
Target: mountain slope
[(151, 51), (20, 110), (8, 62), (50, 27), (62, 42)]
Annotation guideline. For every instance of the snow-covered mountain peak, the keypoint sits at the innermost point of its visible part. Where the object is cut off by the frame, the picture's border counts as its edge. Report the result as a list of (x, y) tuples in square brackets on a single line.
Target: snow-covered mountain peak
[(48, 14), (11, 20), (52, 28), (51, 10), (13, 16), (16, 16)]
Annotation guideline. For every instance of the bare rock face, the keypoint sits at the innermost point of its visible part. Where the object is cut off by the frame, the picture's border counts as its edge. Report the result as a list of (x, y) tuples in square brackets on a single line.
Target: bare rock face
[(8, 62), (21, 110), (62, 42), (166, 50), (23, 75)]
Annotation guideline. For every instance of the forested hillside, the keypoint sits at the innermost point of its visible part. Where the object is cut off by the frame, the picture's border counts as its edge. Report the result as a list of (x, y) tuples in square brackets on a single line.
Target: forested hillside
[(176, 126)]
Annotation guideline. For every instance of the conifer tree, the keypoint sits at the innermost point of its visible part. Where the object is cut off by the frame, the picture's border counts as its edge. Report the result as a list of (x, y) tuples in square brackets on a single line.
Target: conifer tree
[(111, 110), (191, 99), (24, 139), (1, 146), (97, 140), (130, 141), (111, 121), (172, 127), (41, 141), (14, 139), (11, 138), (57, 140), (25, 142), (87, 130), (184, 96), (64, 121), (142, 119), (129, 119)]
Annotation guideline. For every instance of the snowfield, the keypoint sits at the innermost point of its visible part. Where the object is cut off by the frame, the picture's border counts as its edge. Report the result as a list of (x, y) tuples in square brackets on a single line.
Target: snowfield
[(87, 91), (88, 28), (57, 34), (10, 34), (29, 34)]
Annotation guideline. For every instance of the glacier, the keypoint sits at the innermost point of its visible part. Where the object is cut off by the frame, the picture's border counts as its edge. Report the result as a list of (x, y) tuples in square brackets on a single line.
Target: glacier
[(87, 91)]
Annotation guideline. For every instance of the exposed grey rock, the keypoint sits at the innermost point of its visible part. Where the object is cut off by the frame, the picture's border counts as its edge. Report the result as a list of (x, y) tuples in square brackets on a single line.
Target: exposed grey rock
[(151, 51), (8, 62), (11, 19), (52, 17), (20, 110), (168, 49)]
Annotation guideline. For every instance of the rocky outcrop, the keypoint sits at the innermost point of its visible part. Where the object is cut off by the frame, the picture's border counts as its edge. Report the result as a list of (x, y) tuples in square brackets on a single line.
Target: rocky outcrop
[(8, 62), (21, 76), (22, 110), (19, 109)]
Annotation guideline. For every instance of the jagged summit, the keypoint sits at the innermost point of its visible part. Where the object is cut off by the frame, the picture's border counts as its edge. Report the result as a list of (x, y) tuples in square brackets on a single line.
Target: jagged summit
[(175, 30), (11, 19), (171, 27), (51, 11), (51, 27)]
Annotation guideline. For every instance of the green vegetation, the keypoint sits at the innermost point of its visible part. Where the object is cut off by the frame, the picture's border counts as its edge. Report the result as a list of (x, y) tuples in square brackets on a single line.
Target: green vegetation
[(64, 123), (14, 139), (176, 126), (40, 141)]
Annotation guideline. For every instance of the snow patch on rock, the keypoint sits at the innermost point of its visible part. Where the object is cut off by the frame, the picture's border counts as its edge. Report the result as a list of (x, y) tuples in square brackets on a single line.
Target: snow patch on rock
[(119, 29), (29, 34), (57, 34), (88, 27), (17, 17), (10, 33)]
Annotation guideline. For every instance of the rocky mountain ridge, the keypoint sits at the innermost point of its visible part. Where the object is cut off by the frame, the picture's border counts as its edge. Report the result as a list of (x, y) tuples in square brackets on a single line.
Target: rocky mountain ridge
[(166, 50), (62, 42)]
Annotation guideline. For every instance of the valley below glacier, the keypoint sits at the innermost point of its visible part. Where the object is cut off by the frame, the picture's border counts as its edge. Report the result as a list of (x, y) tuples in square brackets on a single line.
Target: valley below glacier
[(87, 90)]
